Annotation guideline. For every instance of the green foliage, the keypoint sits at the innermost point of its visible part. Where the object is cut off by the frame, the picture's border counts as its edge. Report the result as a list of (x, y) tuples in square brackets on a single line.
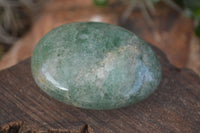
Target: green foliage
[(197, 30), (196, 13), (100, 3), (192, 4), (193, 9)]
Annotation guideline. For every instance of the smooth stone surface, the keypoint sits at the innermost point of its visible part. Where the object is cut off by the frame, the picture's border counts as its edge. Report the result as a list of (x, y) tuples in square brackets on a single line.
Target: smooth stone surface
[(95, 66)]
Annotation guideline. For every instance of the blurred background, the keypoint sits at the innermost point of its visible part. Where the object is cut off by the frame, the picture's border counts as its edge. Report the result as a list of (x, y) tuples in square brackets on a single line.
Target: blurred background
[(171, 25)]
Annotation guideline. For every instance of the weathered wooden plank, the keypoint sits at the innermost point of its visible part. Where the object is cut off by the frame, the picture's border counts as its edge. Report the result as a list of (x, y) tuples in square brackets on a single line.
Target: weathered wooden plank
[(174, 107)]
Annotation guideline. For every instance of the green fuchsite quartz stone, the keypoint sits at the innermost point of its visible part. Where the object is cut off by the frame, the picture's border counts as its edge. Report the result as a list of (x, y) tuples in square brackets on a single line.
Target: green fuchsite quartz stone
[(95, 66)]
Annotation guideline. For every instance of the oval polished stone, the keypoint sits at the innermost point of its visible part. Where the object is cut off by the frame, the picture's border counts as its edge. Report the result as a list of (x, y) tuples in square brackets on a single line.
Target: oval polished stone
[(95, 66)]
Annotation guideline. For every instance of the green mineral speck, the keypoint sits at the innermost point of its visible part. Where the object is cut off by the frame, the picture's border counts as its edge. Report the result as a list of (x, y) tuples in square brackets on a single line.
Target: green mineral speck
[(95, 66)]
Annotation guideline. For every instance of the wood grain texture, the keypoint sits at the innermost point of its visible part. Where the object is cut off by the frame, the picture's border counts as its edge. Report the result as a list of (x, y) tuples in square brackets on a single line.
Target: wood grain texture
[(174, 107)]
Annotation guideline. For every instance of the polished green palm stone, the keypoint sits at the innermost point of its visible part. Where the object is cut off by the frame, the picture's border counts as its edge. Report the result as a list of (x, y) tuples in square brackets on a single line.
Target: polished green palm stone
[(95, 66)]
